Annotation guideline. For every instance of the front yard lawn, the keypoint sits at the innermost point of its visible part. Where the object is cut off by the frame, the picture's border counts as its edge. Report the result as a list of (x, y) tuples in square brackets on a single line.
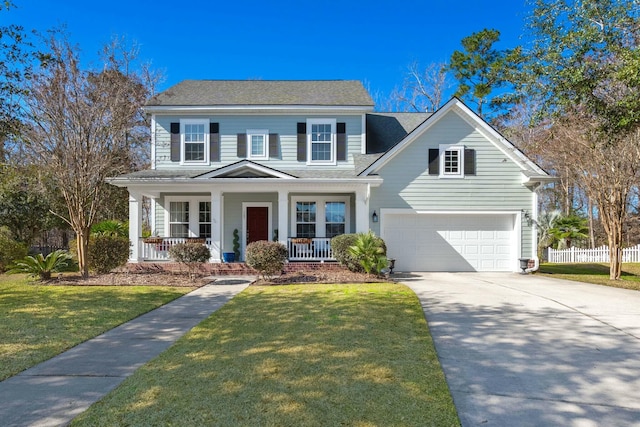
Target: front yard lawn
[(299, 355), (595, 273), (39, 322)]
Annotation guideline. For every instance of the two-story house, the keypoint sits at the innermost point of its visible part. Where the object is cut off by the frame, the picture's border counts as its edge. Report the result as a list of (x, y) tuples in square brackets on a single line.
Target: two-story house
[(303, 161)]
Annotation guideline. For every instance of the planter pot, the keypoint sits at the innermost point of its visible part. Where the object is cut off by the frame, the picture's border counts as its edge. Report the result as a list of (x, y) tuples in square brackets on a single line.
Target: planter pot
[(153, 240), (228, 257)]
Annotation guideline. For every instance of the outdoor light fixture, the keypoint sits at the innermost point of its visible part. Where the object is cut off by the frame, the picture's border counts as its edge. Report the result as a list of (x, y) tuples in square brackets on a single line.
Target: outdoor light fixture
[(374, 217)]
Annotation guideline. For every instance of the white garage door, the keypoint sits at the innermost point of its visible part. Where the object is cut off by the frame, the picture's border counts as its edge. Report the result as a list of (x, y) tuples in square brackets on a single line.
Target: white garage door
[(451, 242)]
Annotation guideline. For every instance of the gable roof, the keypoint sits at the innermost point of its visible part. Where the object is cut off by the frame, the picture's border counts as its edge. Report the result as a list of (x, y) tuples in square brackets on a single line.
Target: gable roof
[(245, 169), (529, 168), (264, 92)]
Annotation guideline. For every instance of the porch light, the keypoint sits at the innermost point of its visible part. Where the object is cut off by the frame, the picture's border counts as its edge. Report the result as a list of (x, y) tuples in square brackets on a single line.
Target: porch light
[(374, 217)]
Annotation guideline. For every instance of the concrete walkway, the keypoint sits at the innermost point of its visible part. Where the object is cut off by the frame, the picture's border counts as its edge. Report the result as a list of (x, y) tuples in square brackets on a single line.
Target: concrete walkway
[(532, 351), (54, 392)]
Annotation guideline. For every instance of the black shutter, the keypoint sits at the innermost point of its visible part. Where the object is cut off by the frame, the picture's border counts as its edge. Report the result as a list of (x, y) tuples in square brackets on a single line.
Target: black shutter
[(341, 147), (469, 161), (302, 142), (214, 142), (242, 145), (175, 142), (273, 146), (434, 161)]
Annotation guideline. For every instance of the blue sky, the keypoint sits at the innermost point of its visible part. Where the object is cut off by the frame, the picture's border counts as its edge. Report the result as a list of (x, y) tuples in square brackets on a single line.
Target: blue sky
[(373, 41)]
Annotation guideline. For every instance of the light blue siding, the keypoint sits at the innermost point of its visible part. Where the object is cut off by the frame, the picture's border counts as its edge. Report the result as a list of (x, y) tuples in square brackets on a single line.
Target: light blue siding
[(497, 185), (231, 125)]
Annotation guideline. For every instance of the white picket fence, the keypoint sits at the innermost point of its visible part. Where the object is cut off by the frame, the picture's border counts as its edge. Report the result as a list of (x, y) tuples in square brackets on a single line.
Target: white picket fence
[(600, 254)]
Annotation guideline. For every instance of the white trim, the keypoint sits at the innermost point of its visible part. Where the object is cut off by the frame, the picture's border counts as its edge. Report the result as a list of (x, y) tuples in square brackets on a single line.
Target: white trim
[(441, 158), (246, 205), (244, 164), (333, 142), (320, 200), (363, 136), (194, 213), (153, 141), (265, 143), (205, 123), (257, 108)]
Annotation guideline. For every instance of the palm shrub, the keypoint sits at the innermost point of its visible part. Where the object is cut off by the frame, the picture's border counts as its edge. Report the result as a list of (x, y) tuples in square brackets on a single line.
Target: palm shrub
[(42, 267), (340, 246), (10, 250), (107, 252), (266, 257), (370, 252), (110, 227), (191, 254)]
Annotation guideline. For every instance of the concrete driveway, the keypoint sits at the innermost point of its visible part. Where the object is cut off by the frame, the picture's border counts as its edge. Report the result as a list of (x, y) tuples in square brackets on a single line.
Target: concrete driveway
[(531, 351)]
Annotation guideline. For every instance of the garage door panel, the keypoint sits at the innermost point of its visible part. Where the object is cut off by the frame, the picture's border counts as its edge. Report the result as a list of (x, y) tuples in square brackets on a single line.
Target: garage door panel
[(434, 242)]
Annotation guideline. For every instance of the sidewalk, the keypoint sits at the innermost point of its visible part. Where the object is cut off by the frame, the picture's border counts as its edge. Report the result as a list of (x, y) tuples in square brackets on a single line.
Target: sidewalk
[(57, 390)]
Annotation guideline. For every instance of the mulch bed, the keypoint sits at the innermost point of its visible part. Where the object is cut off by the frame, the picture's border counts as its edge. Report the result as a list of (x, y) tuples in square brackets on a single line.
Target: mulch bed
[(123, 278)]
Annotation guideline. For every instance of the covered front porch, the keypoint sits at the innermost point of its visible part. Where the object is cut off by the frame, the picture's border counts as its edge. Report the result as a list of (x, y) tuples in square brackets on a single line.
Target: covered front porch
[(300, 249)]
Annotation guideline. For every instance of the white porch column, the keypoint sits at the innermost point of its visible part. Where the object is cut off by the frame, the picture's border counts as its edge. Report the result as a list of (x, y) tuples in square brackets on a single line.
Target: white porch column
[(135, 224), (283, 216), (362, 209), (216, 225)]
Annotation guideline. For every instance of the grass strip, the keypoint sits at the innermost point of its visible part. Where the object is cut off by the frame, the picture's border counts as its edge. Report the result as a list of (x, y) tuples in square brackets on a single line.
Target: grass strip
[(301, 355), (597, 273), (39, 322)]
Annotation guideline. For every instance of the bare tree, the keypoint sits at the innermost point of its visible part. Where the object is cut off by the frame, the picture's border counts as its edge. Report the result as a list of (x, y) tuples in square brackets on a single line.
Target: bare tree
[(422, 89), (80, 128), (607, 168)]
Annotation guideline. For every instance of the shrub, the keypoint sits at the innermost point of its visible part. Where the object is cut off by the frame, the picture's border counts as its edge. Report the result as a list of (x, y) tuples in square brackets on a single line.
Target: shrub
[(266, 257), (10, 250), (340, 247), (370, 251), (191, 254), (110, 227), (107, 252), (42, 267)]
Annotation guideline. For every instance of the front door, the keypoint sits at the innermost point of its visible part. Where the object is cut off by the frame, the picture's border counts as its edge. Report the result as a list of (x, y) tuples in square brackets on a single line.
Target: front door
[(257, 223)]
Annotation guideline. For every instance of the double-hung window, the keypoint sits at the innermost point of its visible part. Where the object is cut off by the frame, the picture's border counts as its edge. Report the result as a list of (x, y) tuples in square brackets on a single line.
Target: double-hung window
[(321, 137), (204, 219), (179, 219), (306, 219), (335, 218), (258, 144), (321, 216), (451, 161), (195, 147)]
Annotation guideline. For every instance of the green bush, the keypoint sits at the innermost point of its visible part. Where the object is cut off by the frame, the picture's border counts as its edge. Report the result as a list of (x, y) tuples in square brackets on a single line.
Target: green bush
[(266, 257), (191, 254), (42, 267), (10, 250), (340, 247), (110, 227), (106, 252), (370, 251)]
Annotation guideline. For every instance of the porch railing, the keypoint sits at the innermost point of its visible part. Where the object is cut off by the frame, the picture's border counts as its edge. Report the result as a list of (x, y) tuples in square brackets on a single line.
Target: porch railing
[(300, 249), (157, 249), (312, 249)]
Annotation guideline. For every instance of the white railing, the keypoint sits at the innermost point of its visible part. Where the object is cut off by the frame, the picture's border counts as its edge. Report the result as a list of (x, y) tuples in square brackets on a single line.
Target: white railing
[(600, 254), (157, 249), (316, 249)]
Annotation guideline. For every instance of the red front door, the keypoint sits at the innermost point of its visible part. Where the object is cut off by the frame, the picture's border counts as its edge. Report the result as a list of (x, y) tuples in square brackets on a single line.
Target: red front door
[(257, 224)]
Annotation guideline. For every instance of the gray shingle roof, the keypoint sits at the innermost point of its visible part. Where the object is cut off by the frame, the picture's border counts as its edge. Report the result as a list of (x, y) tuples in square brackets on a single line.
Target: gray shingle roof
[(384, 130), (264, 92)]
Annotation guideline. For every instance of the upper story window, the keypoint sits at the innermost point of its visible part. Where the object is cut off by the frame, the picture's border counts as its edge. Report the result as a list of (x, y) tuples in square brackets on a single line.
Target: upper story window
[(258, 144), (451, 161), (321, 137), (195, 146)]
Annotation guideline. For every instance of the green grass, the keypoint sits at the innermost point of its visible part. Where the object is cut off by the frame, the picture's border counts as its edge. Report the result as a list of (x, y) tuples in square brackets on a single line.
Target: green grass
[(39, 322), (301, 355), (595, 273)]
